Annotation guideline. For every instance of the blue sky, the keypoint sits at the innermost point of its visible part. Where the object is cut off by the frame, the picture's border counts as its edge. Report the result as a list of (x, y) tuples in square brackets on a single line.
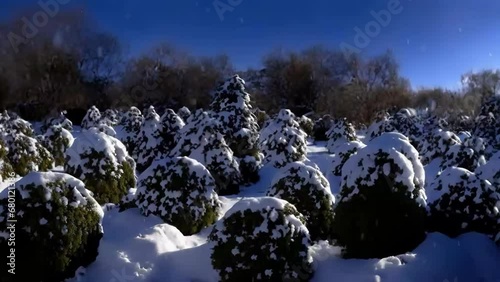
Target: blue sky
[(435, 41)]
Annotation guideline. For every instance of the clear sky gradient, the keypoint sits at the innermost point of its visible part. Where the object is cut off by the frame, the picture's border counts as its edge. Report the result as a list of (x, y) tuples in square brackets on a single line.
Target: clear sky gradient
[(435, 41)]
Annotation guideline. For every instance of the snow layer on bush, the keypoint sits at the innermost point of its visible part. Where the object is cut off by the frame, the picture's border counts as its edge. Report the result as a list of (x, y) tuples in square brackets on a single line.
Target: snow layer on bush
[(365, 167)]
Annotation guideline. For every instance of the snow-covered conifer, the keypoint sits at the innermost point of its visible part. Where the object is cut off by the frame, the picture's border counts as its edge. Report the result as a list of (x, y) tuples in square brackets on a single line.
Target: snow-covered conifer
[(171, 124), (460, 202), (26, 154), (342, 152), (184, 113), (181, 191), (92, 118), (58, 226), (149, 140), (381, 208), (342, 131), (102, 163), (308, 190), (57, 140), (261, 239), (131, 123), (321, 126)]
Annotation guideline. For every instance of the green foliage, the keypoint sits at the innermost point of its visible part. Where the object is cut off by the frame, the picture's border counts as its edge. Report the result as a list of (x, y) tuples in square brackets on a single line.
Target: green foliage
[(57, 140), (264, 245), (181, 192), (308, 190), (27, 154), (378, 222), (58, 229)]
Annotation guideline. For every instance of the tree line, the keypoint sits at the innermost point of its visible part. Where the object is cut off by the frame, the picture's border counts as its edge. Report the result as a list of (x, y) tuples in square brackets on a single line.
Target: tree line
[(70, 64)]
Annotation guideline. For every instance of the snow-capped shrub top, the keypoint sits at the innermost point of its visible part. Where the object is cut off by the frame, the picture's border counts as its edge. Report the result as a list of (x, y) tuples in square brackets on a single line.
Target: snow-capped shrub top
[(382, 124), (342, 152), (150, 114), (184, 113), (465, 202), (110, 117), (149, 140), (306, 124), (469, 154), (92, 118), (306, 188), (60, 120), (285, 118), (285, 145), (27, 154), (181, 191), (296, 176), (341, 131), (391, 156), (266, 236), (68, 185), (437, 144), (132, 120), (490, 170), (111, 152), (57, 140), (171, 122)]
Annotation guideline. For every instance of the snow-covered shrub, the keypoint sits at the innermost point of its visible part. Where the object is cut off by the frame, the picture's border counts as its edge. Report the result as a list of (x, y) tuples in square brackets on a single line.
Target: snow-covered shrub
[(261, 239), (219, 160), (106, 129), (469, 154), (58, 227), (102, 163), (491, 106), (285, 118), (171, 124), (488, 128), (201, 140), (181, 191), (149, 141), (308, 190), (307, 125), (26, 154), (6, 170), (184, 113), (437, 144), (342, 131), (381, 211), (321, 126), (342, 152), (285, 145), (407, 123), (460, 202), (92, 118), (57, 140), (231, 106), (490, 170), (17, 125), (60, 120), (110, 117), (131, 123), (383, 123)]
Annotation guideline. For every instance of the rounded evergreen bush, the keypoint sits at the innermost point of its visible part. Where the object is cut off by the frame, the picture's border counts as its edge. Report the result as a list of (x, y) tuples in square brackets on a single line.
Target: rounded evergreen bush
[(284, 146), (60, 120), (58, 227), (171, 124), (26, 154), (342, 152), (131, 123), (437, 144), (308, 190), (307, 125), (261, 239), (460, 202), (321, 126), (57, 140), (148, 141), (490, 170), (184, 113), (102, 163), (92, 118), (381, 211), (341, 131), (181, 191)]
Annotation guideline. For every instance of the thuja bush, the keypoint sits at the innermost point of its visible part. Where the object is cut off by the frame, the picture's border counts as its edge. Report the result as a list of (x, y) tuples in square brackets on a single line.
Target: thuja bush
[(26, 154), (103, 164), (461, 202), (381, 211), (181, 191), (58, 227), (262, 239), (308, 190), (57, 140)]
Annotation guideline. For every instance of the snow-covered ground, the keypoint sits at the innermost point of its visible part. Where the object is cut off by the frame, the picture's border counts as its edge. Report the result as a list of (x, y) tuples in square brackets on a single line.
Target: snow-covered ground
[(138, 248)]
